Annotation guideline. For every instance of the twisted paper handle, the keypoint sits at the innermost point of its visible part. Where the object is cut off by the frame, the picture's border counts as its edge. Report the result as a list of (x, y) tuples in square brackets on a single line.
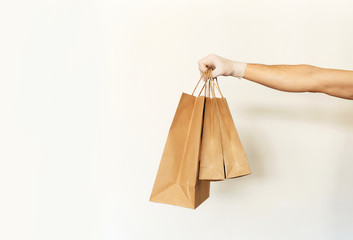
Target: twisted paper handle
[(212, 84), (208, 85)]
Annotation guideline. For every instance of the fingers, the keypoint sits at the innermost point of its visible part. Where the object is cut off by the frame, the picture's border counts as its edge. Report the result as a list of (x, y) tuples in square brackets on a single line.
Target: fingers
[(217, 72), (205, 63), (221, 66), (203, 66)]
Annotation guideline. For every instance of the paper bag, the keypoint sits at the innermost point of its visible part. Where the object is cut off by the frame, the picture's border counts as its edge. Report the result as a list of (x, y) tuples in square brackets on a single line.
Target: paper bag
[(211, 156), (229, 161), (235, 161), (177, 180)]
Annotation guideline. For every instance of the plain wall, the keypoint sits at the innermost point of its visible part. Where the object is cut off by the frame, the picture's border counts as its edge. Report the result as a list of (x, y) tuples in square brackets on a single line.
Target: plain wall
[(89, 90)]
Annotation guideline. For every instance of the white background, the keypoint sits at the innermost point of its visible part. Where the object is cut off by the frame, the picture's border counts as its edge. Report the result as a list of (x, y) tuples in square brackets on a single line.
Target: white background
[(89, 90)]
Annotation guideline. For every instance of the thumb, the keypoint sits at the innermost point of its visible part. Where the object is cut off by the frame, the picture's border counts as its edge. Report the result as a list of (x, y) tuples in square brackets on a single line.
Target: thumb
[(216, 72)]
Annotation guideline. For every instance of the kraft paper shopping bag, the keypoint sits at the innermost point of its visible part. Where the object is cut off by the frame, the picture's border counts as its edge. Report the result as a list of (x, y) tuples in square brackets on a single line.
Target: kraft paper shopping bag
[(235, 161), (211, 156), (177, 180), (222, 154)]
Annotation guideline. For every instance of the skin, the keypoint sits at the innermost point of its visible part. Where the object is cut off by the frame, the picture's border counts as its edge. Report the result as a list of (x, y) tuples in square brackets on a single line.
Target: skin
[(288, 78)]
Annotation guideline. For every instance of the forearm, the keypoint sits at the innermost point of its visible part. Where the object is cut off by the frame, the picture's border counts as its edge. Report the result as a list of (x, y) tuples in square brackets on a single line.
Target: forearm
[(289, 78), (302, 78)]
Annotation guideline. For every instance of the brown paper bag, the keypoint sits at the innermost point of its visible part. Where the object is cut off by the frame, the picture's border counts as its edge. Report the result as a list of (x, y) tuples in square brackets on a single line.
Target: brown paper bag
[(222, 154), (177, 180), (211, 156), (235, 161)]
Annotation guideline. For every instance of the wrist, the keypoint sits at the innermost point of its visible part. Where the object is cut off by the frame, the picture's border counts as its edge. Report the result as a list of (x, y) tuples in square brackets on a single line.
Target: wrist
[(238, 69)]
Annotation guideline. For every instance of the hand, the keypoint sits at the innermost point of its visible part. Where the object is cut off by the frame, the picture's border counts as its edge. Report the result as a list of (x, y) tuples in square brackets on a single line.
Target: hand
[(222, 66)]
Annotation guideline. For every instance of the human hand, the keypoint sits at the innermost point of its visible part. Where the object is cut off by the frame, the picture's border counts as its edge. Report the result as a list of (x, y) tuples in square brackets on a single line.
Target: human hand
[(221, 66)]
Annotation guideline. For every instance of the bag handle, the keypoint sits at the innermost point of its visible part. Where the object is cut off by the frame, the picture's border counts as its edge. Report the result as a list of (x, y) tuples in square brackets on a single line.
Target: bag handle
[(206, 74), (198, 84), (219, 89), (207, 88), (212, 88), (212, 84)]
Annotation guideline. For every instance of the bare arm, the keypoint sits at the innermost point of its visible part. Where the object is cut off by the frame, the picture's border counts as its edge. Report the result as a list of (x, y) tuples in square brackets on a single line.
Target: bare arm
[(302, 78), (289, 78)]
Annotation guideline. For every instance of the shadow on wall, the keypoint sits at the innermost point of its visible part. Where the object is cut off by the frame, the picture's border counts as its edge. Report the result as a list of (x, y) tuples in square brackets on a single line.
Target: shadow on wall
[(260, 154), (341, 192), (341, 117)]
